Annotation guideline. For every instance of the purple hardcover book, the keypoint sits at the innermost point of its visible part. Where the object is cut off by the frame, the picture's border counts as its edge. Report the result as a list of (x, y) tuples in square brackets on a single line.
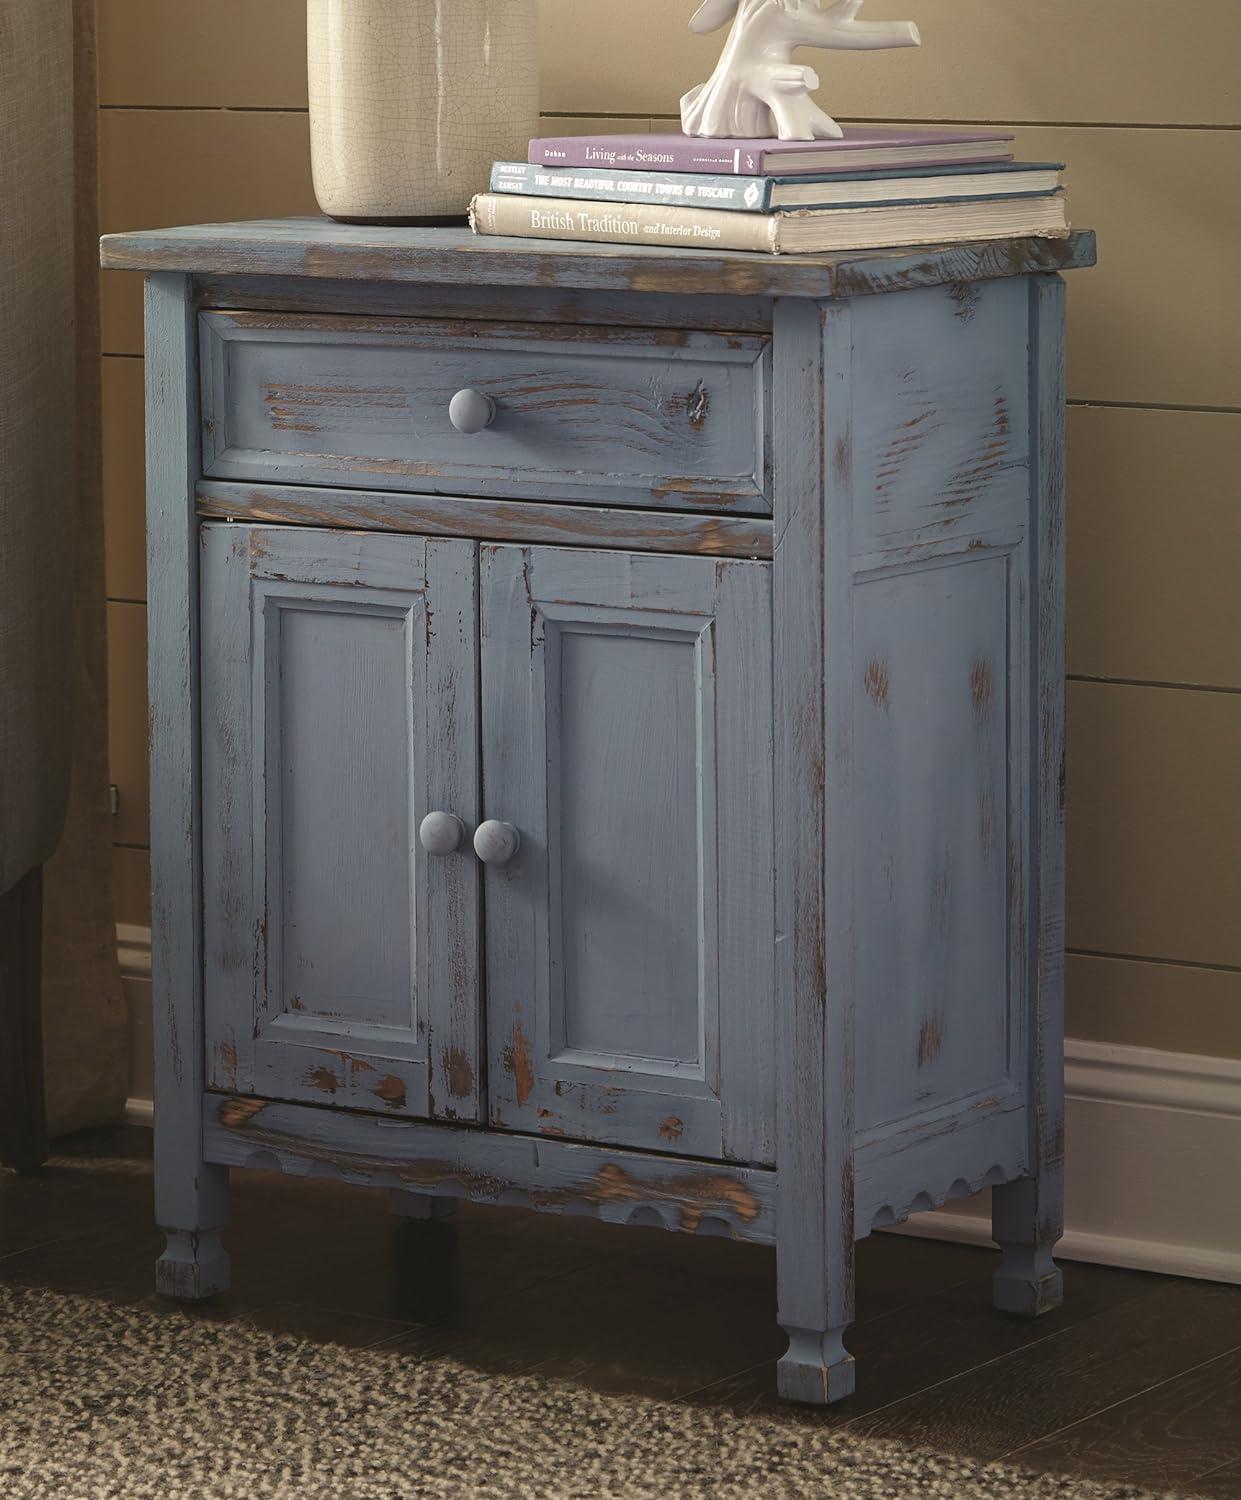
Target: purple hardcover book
[(868, 149)]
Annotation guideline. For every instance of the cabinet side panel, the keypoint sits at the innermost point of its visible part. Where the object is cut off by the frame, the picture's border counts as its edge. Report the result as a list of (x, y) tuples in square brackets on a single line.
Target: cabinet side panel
[(942, 440), (932, 713), (941, 698)]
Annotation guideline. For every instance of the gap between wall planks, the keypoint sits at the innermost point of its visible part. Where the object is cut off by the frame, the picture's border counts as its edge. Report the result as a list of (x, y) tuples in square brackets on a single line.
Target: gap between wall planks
[(1115, 61)]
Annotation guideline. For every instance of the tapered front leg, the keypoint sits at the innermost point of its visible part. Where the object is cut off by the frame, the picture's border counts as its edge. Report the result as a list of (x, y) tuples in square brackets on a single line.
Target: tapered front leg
[(421, 1207), (191, 1194), (817, 1368), (1027, 1217), (1026, 1222), (814, 676), (191, 1207)]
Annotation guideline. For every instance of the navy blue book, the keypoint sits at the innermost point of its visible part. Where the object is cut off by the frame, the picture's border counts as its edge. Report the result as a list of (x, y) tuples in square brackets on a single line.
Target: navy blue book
[(760, 195)]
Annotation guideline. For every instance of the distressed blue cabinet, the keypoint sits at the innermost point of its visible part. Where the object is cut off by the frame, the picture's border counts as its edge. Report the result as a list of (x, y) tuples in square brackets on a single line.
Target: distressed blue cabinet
[(607, 737)]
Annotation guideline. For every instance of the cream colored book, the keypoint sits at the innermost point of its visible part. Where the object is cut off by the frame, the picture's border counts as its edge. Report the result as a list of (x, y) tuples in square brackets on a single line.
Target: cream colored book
[(786, 232)]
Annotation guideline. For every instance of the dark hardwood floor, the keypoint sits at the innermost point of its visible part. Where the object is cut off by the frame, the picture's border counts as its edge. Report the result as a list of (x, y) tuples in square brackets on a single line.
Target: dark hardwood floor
[(1136, 1379)]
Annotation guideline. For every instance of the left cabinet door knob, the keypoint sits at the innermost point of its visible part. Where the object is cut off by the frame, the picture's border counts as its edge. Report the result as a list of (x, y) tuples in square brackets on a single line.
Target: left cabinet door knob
[(441, 833), (470, 411)]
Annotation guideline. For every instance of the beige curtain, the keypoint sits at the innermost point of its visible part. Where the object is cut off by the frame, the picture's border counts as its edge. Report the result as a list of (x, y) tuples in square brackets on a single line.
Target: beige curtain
[(85, 1022)]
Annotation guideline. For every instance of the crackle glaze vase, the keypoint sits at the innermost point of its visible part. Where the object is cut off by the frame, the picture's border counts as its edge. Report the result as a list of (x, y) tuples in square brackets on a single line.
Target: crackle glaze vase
[(412, 100)]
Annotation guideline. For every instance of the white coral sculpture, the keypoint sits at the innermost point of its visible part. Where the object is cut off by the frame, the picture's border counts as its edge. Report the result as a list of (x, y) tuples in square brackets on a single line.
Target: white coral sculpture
[(757, 91)]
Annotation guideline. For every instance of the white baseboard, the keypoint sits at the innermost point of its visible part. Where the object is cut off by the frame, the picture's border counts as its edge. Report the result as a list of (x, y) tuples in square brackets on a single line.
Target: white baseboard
[(1152, 1165), (133, 951), (1152, 1153)]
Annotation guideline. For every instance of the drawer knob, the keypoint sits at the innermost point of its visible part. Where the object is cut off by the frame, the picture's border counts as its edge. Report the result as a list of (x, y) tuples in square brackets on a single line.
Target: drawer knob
[(496, 843), (470, 411), (441, 832)]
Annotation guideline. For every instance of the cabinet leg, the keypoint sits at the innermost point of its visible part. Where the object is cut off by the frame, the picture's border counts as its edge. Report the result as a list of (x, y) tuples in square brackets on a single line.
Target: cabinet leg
[(423, 1207), (194, 1265), (817, 1367), (815, 1296), (427, 1256), (1026, 1221)]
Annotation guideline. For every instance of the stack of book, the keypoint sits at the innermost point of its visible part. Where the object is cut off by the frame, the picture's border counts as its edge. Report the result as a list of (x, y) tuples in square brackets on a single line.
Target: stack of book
[(873, 189)]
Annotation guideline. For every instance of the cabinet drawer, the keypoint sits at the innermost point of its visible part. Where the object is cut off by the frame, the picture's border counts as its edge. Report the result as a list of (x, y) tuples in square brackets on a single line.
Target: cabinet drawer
[(622, 416)]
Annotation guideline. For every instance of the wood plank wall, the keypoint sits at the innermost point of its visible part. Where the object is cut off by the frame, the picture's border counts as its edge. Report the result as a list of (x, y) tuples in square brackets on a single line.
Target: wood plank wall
[(203, 117)]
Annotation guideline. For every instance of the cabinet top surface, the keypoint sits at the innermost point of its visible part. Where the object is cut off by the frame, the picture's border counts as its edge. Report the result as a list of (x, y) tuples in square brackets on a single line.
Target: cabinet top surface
[(322, 248)]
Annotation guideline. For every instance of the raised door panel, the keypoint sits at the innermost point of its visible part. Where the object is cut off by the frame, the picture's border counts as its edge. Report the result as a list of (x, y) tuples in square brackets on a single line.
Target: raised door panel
[(942, 757), (627, 736), (338, 708)]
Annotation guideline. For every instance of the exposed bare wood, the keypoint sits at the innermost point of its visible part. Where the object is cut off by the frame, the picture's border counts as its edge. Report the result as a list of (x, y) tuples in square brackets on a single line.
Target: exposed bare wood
[(490, 520), (485, 303), (191, 1197), (318, 247), (436, 1160), (578, 412)]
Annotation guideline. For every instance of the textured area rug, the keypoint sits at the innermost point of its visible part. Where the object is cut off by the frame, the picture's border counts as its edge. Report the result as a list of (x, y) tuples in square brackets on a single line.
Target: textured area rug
[(100, 1401)]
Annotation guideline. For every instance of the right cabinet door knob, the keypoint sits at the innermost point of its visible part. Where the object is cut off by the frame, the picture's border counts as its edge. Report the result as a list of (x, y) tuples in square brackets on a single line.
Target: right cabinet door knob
[(496, 843)]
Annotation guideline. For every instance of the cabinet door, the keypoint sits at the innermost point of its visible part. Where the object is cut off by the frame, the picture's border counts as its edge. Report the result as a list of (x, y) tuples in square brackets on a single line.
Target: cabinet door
[(627, 717), (339, 683)]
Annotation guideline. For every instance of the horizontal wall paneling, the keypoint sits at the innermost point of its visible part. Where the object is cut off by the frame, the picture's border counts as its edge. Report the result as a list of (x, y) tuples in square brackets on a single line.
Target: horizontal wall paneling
[(1154, 822), (124, 483), (1117, 61), (1155, 545)]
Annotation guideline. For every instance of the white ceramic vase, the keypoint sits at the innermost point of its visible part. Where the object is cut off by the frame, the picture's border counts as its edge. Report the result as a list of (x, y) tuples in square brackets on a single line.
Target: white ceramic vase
[(412, 100)]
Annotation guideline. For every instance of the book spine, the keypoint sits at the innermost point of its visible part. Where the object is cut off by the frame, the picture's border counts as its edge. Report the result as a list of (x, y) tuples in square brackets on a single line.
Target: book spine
[(624, 224), (691, 155), (750, 195)]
